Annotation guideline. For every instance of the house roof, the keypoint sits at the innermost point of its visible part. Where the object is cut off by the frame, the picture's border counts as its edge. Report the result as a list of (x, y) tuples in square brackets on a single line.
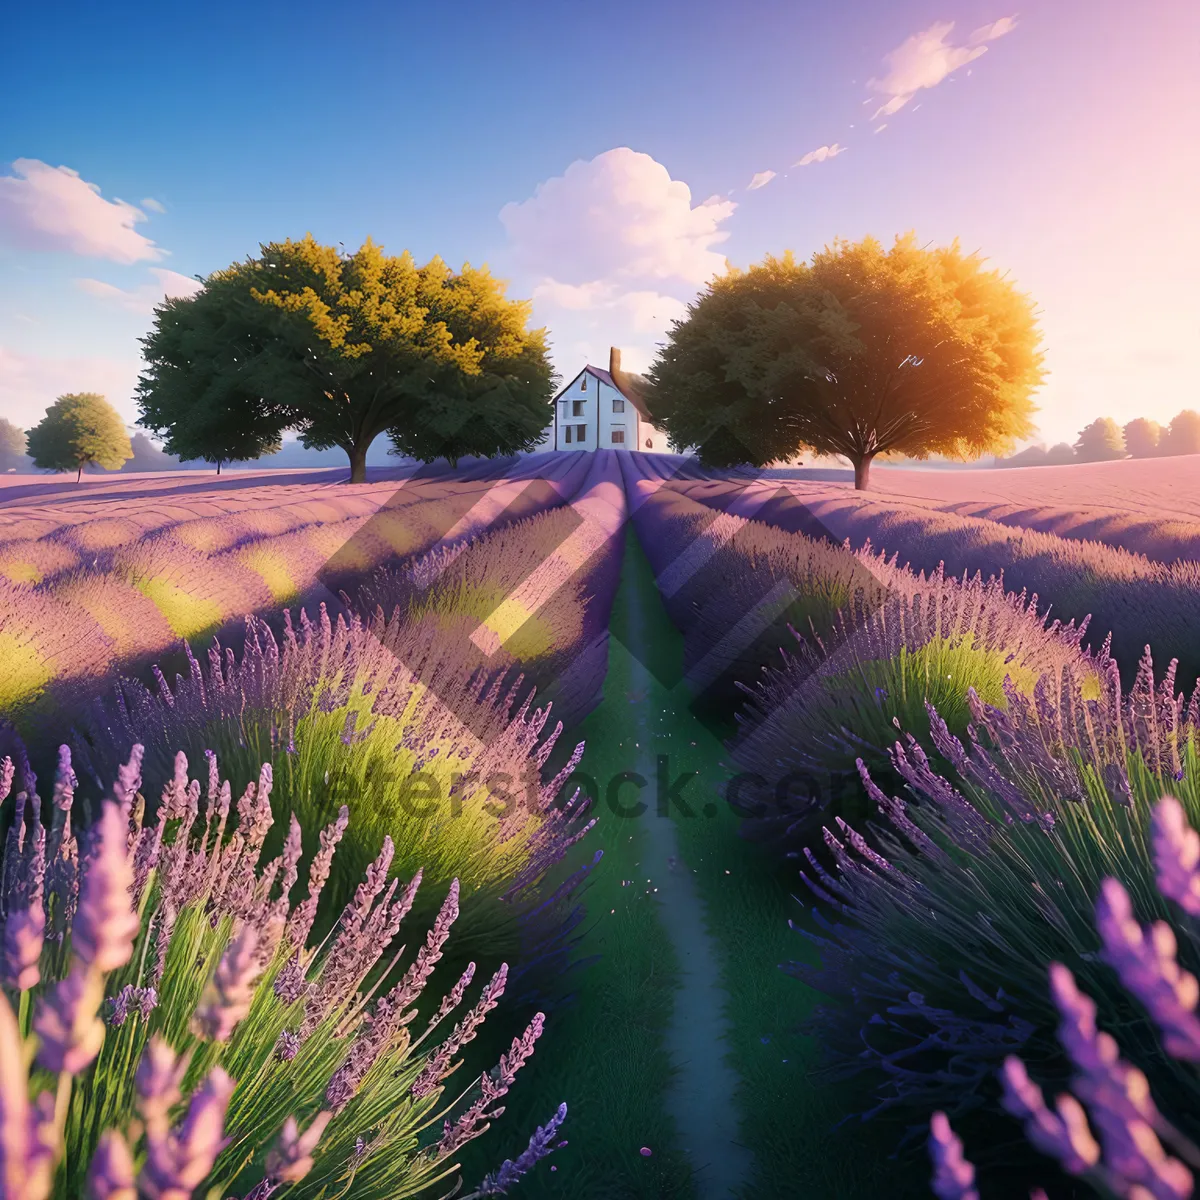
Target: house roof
[(627, 392)]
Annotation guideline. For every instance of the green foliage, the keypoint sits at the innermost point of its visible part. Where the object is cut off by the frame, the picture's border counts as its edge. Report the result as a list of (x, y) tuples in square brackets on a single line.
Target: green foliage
[(1142, 437), (861, 352), (343, 348), (1101, 441), (12, 444), (1183, 437), (79, 430)]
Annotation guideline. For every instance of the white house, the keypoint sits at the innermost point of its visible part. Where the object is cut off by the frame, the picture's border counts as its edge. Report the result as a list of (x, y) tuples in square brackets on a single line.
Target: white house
[(602, 409)]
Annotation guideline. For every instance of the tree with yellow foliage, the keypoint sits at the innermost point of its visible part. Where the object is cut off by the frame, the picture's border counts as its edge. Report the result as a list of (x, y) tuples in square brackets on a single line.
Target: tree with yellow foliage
[(861, 352)]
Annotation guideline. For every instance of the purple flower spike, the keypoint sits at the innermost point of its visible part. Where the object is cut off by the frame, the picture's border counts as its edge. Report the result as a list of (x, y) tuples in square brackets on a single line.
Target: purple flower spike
[(1065, 1136), (25, 1169), (292, 1159), (178, 1162), (66, 1021), (1146, 963), (542, 1144), (158, 1080), (231, 992), (111, 1175), (953, 1175), (105, 926), (1176, 855), (24, 934)]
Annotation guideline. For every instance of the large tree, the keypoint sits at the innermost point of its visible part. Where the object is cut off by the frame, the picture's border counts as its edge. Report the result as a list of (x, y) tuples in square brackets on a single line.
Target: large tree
[(1142, 437), (12, 444), (1101, 441), (79, 430), (864, 351), (342, 348), (1183, 435)]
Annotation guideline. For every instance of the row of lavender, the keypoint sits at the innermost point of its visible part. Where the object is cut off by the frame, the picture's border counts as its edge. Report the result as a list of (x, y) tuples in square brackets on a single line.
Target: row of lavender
[(1014, 777), (1126, 595), (130, 587), (405, 728)]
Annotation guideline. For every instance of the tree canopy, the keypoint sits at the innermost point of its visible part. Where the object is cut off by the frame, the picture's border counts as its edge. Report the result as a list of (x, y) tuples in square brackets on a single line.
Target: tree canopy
[(342, 348), (12, 444), (79, 430), (1142, 437), (1101, 441), (1183, 435), (864, 351)]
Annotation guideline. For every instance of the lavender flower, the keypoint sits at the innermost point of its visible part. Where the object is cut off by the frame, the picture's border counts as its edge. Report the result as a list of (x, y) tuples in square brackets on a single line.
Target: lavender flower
[(953, 1175), (111, 1173), (1145, 960), (70, 1033), (287, 1045), (300, 922), (178, 1161), (105, 927), (231, 991), (24, 934), (25, 1167), (492, 1087), (542, 1144), (291, 1159), (1065, 1136), (439, 1065), (1176, 855), (159, 1078)]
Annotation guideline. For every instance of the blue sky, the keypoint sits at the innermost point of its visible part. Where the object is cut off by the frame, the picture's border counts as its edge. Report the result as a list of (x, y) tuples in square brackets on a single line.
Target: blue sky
[(1060, 140)]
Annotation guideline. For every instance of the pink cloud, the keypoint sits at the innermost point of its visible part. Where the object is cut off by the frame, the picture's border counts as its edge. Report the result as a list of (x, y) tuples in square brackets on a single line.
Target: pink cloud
[(926, 59), (821, 154), (760, 180), (52, 208), (167, 285)]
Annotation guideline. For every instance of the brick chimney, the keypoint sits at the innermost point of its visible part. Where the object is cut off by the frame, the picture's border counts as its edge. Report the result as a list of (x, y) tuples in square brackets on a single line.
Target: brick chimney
[(614, 361)]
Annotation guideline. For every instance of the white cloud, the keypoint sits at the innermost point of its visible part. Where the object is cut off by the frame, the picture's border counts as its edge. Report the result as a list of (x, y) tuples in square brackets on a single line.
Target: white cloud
[(989, 33), (52, 208), (167, 285), (821, 153), (761, 179), (154, 205), (880, 128), (30, 383), (926, 59), (619, 215), (611, 251)]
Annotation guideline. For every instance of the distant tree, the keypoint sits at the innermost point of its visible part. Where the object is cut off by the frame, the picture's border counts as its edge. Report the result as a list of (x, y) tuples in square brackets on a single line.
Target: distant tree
[(861, 352), (342, 348), (1060, 454), (1183, 435), (79, 430), (148, 457), (1101, 441), (1031, 456), (12, 445), (1142, 437)]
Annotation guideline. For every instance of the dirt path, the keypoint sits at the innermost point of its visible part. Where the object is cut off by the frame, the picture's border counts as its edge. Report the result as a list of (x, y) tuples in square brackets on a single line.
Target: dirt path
[(701, 1094)]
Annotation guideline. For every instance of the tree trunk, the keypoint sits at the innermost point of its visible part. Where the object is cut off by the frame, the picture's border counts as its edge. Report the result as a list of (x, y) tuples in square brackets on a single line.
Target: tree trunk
[(79, 473), (862, 472), (358, 464), (218, 466)]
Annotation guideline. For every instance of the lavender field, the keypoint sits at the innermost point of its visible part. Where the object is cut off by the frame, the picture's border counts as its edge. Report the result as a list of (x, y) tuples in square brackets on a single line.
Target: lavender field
[(326, 805)]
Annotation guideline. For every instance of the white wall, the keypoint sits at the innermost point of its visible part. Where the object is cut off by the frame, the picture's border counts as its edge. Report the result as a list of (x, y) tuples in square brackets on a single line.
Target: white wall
[(577, 406)]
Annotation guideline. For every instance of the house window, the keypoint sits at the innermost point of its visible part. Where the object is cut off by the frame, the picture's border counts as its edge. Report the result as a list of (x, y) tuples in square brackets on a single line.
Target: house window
[(583, 384), (577, 408), (567, 434), (581, 433), (618, 437), (618, 404), (649, 443)]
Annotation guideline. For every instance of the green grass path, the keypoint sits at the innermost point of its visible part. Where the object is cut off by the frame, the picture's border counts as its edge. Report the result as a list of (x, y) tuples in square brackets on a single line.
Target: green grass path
[(609, 1053)]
